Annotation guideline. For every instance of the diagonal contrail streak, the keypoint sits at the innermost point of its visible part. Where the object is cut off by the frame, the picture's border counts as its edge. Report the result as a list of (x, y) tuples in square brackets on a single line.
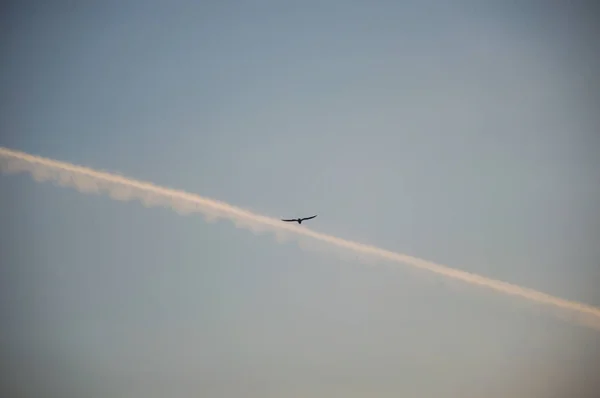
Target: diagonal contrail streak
[(122, 188)]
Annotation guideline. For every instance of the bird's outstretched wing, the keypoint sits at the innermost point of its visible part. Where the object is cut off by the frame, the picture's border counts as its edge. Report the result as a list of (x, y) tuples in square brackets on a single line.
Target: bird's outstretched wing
[(309, 218), (293, 219)]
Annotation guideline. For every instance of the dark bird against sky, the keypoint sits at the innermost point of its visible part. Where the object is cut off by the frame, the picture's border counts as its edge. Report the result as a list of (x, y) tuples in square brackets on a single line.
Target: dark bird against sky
[(299, 220)]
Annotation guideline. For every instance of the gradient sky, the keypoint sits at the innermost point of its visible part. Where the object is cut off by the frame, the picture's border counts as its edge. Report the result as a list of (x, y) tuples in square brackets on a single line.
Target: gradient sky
[(464, 134)]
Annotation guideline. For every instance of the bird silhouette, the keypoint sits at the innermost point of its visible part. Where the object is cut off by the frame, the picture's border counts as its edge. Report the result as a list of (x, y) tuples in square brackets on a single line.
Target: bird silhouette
[(299, 220)]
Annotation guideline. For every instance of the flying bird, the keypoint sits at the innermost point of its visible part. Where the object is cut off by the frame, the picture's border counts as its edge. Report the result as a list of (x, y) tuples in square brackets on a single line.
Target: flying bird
[(299, 220)]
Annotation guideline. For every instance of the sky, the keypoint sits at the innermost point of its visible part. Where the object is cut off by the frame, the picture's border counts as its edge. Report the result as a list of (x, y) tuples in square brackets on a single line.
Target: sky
[(463, 133)]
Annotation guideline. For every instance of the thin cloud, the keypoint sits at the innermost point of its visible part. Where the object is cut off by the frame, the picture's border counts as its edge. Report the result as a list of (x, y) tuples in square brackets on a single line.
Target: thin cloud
[(122, 188)]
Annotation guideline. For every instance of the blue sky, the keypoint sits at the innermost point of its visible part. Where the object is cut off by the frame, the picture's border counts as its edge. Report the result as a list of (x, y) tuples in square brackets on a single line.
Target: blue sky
[(463, 134)]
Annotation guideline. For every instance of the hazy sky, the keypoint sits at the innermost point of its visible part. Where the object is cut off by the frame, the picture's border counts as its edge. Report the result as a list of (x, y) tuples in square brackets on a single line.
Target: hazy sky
[(465, 134)]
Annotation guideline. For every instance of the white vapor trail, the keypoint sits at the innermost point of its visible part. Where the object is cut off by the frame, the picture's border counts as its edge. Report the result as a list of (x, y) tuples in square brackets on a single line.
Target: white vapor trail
[(122, 188)]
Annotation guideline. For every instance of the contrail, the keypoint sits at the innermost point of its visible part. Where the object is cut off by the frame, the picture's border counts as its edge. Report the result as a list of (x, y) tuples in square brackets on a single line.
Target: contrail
[(122, 188)]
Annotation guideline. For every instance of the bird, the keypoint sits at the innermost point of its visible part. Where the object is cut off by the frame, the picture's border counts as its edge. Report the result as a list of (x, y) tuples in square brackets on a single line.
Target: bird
[(299, 220)]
